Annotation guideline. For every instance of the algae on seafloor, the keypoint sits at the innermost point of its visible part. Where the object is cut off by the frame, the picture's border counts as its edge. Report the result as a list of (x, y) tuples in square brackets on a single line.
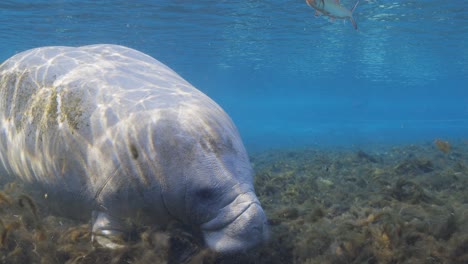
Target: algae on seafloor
[(402, 204), (387, 205)]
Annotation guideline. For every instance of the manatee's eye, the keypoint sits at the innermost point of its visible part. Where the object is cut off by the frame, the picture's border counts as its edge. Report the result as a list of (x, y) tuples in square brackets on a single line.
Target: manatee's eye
[(205, 193)]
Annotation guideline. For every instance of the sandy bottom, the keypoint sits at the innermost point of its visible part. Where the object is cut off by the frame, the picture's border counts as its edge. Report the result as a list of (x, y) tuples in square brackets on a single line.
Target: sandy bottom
[(393, 204)]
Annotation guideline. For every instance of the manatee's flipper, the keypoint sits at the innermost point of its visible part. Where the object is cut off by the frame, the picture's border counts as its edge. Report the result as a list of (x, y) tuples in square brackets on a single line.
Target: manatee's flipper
[(108, 231)]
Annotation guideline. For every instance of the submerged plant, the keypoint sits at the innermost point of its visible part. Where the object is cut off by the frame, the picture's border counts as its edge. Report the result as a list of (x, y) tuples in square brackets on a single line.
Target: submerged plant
[(442, 145)]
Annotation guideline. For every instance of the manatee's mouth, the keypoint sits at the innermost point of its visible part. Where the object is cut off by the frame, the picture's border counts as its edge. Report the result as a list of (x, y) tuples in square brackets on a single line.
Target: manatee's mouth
[(226, 217), (238, 226)]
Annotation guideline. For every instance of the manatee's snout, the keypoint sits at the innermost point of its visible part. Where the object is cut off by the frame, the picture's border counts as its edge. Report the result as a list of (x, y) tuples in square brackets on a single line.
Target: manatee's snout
[(229, 233)]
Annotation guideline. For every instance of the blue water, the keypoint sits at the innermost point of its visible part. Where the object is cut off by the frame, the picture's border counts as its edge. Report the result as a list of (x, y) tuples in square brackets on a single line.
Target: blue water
[(286, 77)]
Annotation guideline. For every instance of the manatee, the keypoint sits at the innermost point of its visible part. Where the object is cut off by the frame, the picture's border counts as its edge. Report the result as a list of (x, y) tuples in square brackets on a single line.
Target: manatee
[(107, 133)]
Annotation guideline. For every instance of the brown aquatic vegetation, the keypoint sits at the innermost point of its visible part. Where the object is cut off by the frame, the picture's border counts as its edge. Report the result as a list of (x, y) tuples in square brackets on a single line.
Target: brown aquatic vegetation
[(442, 145), (403, 206), (391, 205), (7, 229), (4, 199), (29, 201)]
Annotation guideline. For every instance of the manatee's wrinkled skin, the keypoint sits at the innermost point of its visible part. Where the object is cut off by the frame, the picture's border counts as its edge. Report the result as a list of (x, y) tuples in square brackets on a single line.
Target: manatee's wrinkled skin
[(108, 130)]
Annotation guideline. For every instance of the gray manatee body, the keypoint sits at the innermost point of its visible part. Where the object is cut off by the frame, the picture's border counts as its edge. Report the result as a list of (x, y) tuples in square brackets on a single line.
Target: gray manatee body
[(108, 130)]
